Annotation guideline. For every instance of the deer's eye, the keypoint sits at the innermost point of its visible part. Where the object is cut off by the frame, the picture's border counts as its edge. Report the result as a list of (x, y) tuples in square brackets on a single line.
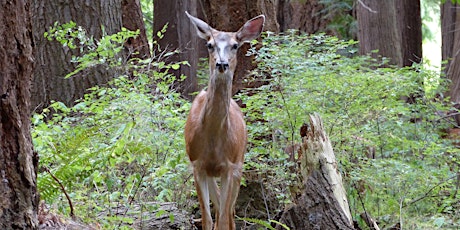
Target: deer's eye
[(209, 46), (234, 46)]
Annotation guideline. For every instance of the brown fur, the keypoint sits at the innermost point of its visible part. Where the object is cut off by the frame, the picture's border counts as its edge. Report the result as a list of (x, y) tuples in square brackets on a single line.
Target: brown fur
[(215, 131)]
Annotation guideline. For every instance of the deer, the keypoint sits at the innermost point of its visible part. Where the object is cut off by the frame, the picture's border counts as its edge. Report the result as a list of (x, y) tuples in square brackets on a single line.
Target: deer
[(215, 130)]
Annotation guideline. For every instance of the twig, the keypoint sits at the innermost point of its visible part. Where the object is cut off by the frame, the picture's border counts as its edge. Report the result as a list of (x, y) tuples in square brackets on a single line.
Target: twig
[(136, 189), (457, 185), (265, 198), (447, 116), (401, 202), (290, 118), (367, 7), (367, 218), (72, 214), (369, 221), (428, 192)]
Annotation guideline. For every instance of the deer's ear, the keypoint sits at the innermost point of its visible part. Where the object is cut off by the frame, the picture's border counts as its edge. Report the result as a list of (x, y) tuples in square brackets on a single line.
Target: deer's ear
[(251, 29), (202, 28)]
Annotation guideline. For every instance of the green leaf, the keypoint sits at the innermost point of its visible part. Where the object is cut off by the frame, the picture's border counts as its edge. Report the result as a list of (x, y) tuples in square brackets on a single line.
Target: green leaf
[(175, 66)]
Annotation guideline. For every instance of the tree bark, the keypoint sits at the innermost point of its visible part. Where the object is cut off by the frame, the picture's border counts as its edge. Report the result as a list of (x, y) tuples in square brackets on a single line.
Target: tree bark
[(179, 35), (392, 27), (306, 16), (18, 161), (133, 20), (410, 27), (230, 16), (450, 26), (323, 203), (376, 29), (53, 61)]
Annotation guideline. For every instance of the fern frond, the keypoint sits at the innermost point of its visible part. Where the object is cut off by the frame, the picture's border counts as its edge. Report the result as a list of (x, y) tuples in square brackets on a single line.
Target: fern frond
[(264, 223)]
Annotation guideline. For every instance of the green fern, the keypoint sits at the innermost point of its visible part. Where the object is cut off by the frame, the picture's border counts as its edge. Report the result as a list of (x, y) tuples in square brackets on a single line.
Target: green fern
[(120, 143), (264, 223)]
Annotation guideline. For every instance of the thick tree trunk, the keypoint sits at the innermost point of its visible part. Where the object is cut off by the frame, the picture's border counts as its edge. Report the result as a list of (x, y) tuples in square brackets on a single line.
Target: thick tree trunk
[(450, 26), (393, 27), (323, 203), (53, 60), (179, 35), (133, 20), (306, 16), (230, 16), (410, 27), (377, 29), (18, 161)]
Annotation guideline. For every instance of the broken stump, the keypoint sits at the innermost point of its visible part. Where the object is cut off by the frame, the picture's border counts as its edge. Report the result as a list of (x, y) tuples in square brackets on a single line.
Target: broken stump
[(322, 201)]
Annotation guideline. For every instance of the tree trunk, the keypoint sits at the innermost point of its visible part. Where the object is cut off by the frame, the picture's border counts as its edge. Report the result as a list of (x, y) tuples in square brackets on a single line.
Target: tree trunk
[(376, 29), (450, 26), (410, 27), (133, 20), (179, 35), (306, 16), (392, 27), (323, 203), (18, 161), (230, 16), (53, 60)]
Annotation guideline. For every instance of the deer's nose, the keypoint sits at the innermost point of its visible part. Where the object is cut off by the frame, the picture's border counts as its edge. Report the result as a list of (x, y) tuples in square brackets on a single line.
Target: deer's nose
[(222, 66)]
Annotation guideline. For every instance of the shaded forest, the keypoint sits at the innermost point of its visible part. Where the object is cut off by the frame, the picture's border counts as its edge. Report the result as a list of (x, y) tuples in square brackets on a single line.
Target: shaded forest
[(94, 97)]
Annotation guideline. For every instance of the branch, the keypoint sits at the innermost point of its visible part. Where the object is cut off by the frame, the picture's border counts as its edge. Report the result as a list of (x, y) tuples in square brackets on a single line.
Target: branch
[(366, 7), (428, 192), (365, 215), (72, 214), (136, 189)]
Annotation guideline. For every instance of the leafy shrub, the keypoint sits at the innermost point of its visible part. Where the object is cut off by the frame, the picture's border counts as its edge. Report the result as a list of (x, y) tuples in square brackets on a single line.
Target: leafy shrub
[(118, 146), (396, 164), (123, 142)]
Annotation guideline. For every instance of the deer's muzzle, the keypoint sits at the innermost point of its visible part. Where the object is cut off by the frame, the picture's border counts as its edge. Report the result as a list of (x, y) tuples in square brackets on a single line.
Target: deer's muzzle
[(222, 67)]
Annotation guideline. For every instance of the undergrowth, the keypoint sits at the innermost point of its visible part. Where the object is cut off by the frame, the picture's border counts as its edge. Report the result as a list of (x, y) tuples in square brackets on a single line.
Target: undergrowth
[(387, 126), (122, 144)]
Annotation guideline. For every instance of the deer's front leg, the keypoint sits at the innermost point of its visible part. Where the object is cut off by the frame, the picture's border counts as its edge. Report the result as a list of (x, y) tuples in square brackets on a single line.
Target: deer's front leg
[(214, 194), (229, 191), (201, 183)]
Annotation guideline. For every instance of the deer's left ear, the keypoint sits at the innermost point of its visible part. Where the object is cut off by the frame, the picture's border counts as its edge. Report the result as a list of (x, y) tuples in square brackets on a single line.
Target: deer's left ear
[(251, 29)]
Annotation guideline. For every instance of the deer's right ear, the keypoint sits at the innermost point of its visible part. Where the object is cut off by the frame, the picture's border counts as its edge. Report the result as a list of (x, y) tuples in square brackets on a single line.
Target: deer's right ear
[(202, 28)]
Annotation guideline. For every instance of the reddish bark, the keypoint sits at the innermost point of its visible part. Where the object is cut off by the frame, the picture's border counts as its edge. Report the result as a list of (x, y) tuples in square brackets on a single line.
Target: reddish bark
[(18, 161), (133, 20)]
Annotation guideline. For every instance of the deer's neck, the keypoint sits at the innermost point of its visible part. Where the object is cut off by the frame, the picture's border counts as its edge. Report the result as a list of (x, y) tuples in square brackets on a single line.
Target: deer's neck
[(218, 100)]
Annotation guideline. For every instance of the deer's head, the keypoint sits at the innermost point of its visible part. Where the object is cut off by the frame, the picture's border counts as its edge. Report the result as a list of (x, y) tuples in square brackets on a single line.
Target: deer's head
[(223, 46)]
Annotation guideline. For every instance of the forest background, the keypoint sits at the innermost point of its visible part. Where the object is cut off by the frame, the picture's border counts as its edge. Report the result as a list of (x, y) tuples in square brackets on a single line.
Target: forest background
[(111, 86)]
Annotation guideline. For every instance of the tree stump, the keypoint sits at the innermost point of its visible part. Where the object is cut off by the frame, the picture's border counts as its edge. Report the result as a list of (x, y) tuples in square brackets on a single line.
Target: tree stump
[(322, 202)]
